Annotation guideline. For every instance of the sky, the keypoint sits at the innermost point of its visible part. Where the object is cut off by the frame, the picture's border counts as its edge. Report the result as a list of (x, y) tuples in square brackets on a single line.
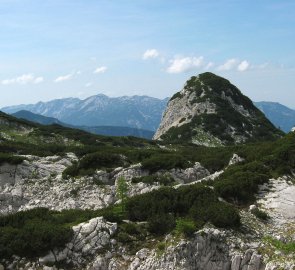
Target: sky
[(54, 49)]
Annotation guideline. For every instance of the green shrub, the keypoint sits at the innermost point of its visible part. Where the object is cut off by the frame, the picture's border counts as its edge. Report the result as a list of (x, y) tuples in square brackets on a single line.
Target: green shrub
[(130, 228), (240, 182), (223, 215), (161, 223), (90, 162), (185, 227), (195, 202), (31, 233), (164, 161), (260, 214), (11, 159), (113, 213), (124, 237)]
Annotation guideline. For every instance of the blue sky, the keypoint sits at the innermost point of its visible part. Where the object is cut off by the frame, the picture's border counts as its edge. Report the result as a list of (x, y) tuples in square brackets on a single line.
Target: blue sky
[(77, 48)]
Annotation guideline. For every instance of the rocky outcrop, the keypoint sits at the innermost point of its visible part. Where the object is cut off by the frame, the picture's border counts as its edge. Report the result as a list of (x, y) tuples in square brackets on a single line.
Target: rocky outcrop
[(89, 238), (235, 159), (210, 111), (278, 198), (38, 182), (195, 173), (207, 250)]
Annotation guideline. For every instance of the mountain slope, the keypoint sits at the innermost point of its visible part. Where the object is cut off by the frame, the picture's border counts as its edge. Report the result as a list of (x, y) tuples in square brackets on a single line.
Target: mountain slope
[(209, 110), (99, 130), (119, 131), (281, 116), (37, 118), (137, 111), (77, 176)]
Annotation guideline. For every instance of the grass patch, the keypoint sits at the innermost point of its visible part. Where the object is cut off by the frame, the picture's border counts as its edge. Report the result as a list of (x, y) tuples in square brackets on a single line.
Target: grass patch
[(287, 248)]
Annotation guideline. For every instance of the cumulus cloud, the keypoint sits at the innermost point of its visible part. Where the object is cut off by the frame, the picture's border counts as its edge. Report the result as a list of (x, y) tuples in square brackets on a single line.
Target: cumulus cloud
[(150, 53), (38, 80), (229, 64), (64, 78), (23, 79), (179, 65), (243, 66), (100, 70)]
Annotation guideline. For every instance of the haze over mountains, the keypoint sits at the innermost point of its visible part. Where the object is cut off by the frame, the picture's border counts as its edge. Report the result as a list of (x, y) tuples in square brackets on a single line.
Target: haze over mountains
[(141, 112), (100, 130), (280, 115)]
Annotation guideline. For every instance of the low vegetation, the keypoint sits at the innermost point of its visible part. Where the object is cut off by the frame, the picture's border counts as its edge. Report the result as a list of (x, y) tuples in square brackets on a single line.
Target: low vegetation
[(32, 233), (287, 248), (197, 202), (260, 214), (181, 211), (11, 159)]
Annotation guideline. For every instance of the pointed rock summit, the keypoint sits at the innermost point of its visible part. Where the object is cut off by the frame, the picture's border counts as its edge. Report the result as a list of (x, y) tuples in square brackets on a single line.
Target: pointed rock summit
[(211, 111)]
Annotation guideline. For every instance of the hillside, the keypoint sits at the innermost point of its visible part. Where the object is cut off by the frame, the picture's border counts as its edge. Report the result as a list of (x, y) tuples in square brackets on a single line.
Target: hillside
[(100, 130), (140, 112), (211, 111), (85, 201), (36, 118), (281, 116)]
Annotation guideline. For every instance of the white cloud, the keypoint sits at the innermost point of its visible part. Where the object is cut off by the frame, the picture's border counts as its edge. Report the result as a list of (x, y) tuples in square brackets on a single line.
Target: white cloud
[(23, 79), (151, 53), (243, 66), (100, 70), (63, 78), (209, 65), (229, 64), (88, 84), (38, 80), (179, 65)]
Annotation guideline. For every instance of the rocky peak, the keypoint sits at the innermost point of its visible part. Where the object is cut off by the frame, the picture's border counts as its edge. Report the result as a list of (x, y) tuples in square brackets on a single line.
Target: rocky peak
[(211, 111)]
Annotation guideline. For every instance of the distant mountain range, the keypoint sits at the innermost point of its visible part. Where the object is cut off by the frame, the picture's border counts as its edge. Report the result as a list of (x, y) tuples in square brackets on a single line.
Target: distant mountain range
[(100, 130), (141, 112), (123, 116), (280, 115)]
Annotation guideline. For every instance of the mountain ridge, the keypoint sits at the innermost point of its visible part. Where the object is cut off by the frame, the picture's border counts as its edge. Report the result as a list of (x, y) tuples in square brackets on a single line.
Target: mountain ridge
[(99, 130), (100, 110), (280, 115)]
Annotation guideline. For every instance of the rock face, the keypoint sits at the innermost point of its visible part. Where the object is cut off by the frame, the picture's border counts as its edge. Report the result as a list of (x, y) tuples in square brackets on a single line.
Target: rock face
[(210, 111), (207, 250), (184, 176), (89, 238), (38, 182), (203, 252), (277, 197)]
